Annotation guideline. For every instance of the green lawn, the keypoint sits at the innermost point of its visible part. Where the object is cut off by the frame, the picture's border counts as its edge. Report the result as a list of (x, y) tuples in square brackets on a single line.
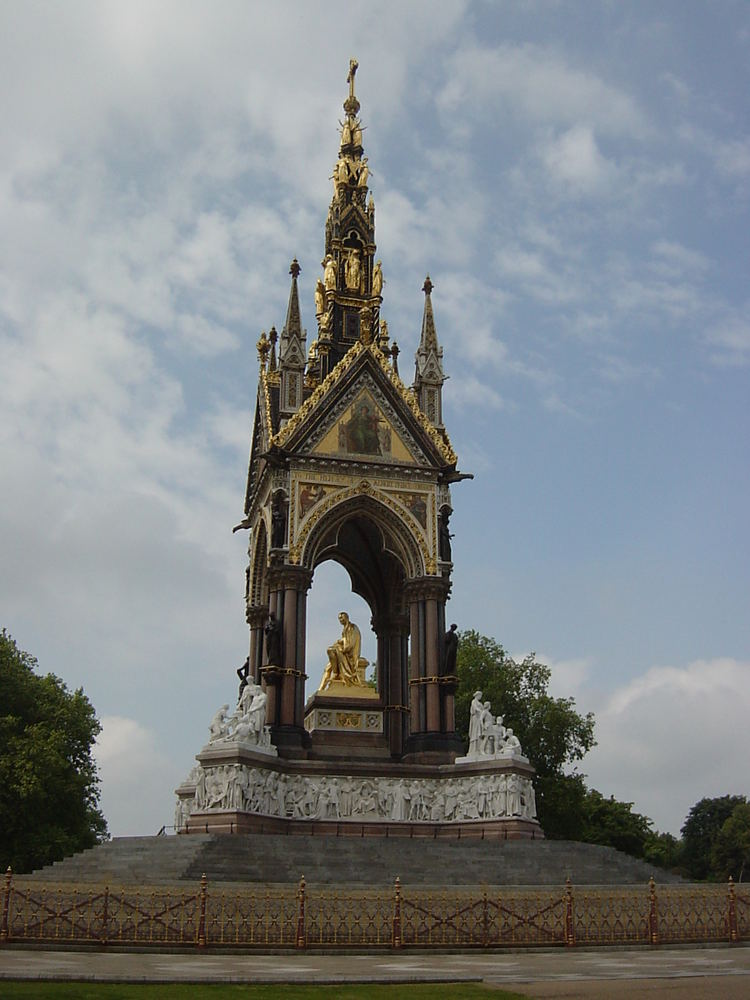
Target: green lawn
[(12, 990)]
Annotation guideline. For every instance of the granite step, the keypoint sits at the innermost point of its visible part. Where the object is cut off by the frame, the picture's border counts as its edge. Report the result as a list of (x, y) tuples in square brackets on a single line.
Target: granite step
[(354, 861)]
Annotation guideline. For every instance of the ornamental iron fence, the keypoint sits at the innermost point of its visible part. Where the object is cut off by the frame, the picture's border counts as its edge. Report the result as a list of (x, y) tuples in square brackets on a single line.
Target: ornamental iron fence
[(225, 915)]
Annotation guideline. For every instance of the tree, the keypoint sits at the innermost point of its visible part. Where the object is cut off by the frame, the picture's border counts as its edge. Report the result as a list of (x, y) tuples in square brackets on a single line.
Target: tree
[(662, 849), (49, 788), (700, 830), (552, 732), (614, 824), (730, 854)]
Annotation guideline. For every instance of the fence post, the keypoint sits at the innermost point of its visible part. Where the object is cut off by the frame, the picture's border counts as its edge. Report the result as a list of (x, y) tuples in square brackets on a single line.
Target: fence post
[(301, 939), (202, 918), (396, 929), (105, 917), (570, 930), (732, 912), (6, 905), (653, 915)]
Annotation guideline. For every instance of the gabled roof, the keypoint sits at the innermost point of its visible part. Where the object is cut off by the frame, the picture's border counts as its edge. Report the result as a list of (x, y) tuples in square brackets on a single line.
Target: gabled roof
[(344, 379)]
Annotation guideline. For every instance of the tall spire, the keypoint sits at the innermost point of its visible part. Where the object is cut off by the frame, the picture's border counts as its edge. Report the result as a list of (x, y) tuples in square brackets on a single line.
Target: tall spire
[(429, 375), (351, 280), (291, 351)]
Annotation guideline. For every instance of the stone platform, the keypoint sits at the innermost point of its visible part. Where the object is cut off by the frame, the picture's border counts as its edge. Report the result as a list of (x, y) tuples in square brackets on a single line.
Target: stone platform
[(355, 861)]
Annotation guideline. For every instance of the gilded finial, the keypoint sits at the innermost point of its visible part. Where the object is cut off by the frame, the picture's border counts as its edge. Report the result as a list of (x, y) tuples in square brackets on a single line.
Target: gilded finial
[(263, 346), (351, 104)]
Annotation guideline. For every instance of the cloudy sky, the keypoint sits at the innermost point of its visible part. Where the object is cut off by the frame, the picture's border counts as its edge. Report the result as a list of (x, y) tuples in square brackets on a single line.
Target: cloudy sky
[(575, 177)]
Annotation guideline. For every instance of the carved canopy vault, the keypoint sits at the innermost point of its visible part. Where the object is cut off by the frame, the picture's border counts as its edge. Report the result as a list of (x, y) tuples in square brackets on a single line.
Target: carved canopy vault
[(349, 464)]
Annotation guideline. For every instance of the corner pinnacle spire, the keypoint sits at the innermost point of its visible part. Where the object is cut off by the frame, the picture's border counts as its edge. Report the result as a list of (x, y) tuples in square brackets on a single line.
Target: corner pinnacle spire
[(429, 375), (293, 324), (292, 350)]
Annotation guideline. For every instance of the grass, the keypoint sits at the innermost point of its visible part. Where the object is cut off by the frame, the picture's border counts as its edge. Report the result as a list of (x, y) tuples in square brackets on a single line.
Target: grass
[(16, 990)]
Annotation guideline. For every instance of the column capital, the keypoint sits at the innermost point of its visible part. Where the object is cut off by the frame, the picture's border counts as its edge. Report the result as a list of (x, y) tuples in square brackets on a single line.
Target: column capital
[(256, 615), (288, 577), (426, 588)]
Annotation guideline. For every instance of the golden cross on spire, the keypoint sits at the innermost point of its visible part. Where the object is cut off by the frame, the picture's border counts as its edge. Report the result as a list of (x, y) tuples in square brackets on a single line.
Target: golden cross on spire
[(351, 104), (353, 67)]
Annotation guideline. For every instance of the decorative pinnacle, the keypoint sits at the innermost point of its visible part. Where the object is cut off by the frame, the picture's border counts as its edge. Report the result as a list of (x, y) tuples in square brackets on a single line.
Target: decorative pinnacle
[(263, 346), (427, 286), (294, 268)]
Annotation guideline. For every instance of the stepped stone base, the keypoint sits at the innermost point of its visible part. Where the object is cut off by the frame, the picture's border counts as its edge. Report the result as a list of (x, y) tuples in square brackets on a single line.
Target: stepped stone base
[(350, 861)]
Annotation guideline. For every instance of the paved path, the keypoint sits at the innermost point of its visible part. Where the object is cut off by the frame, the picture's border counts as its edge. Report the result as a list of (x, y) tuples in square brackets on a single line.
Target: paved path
[(684, 973)]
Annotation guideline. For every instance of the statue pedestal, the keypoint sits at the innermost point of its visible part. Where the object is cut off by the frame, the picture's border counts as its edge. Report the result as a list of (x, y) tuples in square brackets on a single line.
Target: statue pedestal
[(347, 724)]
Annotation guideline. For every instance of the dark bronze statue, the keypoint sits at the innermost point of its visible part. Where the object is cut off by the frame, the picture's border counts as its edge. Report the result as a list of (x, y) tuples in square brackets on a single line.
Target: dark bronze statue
[(243, 673), (444, 535), (450, 649), (278, 523)]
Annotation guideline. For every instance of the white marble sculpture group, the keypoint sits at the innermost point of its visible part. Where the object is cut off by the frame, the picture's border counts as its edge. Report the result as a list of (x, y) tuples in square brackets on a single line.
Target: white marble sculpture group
[(242, 788), (488, 737), (246, 725), (414, 800)]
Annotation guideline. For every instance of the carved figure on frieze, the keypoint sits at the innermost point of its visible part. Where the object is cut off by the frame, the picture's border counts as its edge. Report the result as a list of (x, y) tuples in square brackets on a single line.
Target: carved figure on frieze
[(201, 793), (345, 665), (272, 632)]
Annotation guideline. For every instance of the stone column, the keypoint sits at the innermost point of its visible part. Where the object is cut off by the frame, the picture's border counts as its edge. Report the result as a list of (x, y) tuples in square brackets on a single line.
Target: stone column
[(256, 617), (432, 720), (392, 632), (289, 586)]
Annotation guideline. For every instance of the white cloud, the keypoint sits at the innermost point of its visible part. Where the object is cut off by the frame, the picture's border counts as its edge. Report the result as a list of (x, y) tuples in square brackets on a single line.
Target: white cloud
[(729, 341), (568, 677), (539, 83), (673, 736), (574, 160), (137, 778), (733, 157)]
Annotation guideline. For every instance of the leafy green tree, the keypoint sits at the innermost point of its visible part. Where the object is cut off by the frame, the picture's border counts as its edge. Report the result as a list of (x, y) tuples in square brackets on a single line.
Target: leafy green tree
[(663, 849), (700, 830), (48, 783), (730, 854), (614, 824), (552, 732)]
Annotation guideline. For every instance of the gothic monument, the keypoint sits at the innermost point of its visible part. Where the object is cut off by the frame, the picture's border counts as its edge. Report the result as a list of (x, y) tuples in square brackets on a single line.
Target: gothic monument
[(348, 463)]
